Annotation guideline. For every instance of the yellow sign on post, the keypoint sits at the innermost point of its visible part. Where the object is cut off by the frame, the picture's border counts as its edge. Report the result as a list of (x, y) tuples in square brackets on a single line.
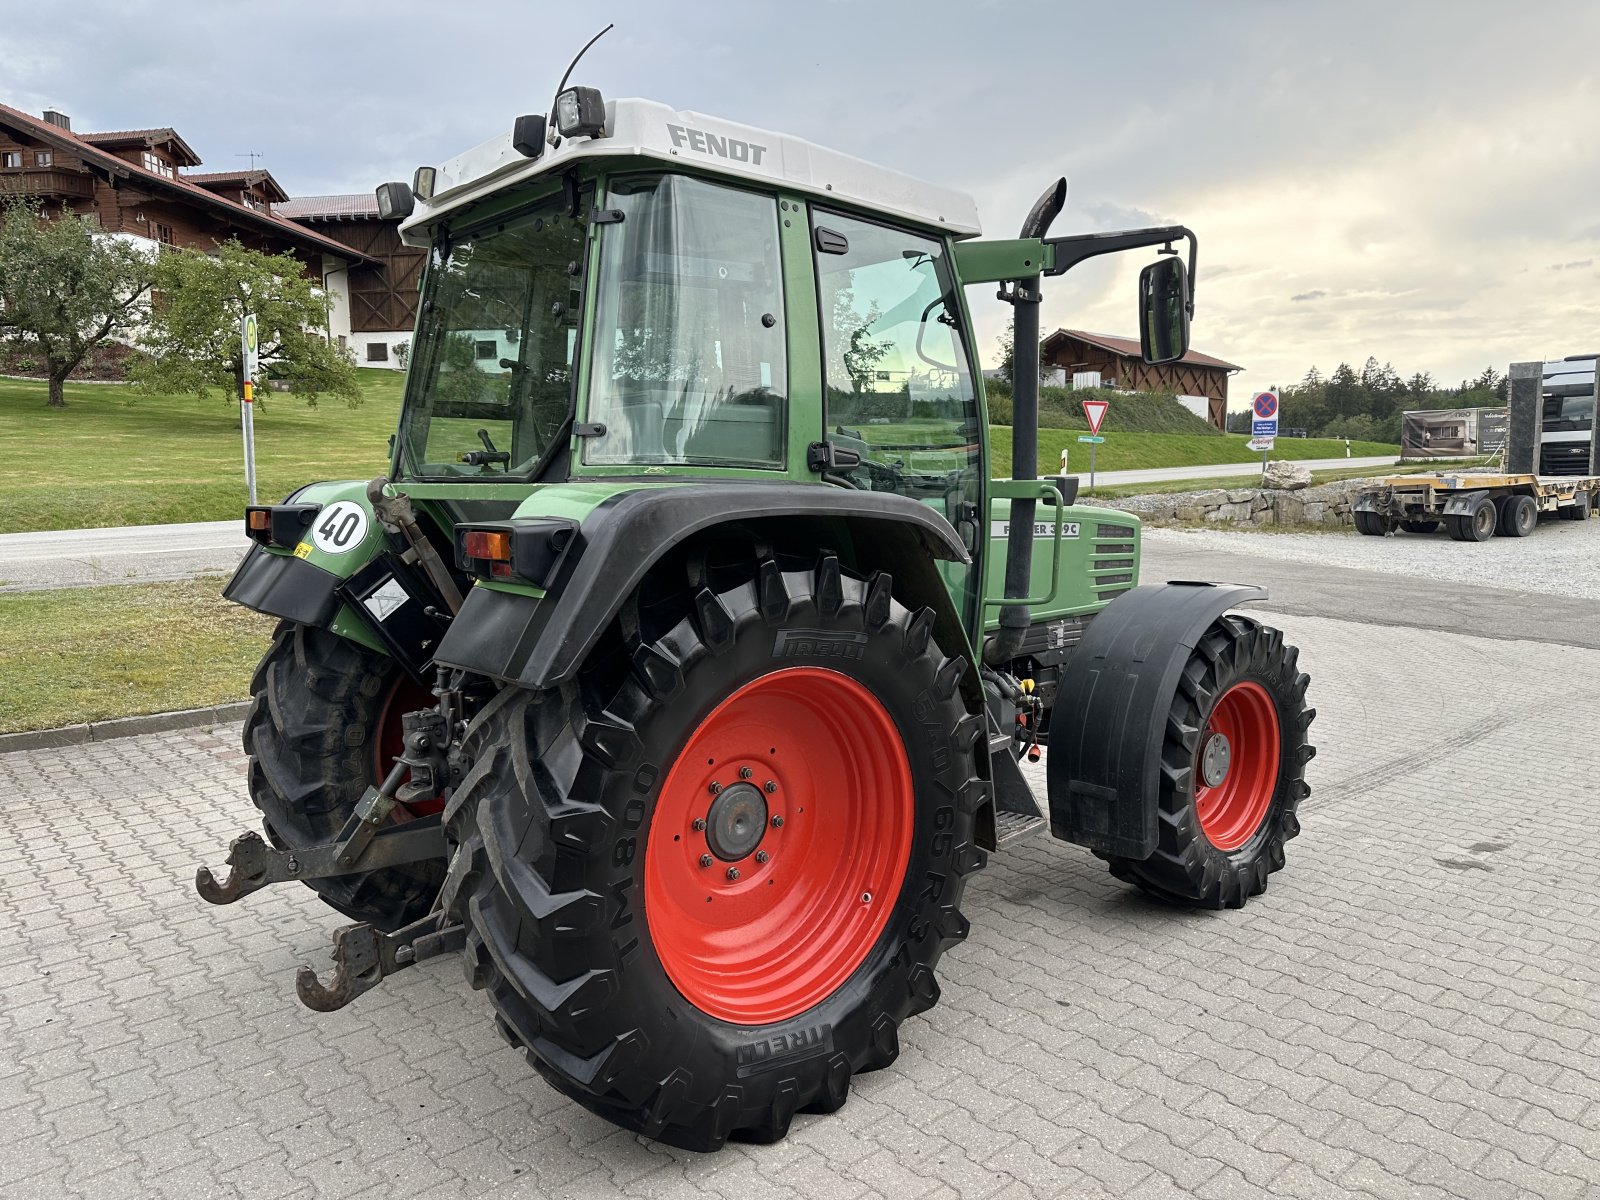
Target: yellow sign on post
[(249, 365)]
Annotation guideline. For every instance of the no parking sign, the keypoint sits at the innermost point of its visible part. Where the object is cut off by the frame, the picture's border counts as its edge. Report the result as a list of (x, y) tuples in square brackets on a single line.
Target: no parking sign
[(1264, 414)]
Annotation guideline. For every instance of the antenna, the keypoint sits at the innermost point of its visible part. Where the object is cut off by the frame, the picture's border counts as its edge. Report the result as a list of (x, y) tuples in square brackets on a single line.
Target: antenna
[(555, 137), (252, 155)]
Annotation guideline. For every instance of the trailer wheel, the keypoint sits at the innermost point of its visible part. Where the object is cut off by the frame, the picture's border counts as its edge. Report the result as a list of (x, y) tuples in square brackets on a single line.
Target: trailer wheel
[(1371, 524), (705, 894), (1232, 769), (1578, 510), (1419, 526), (1477, 524), (1518, 516), (323, 726)]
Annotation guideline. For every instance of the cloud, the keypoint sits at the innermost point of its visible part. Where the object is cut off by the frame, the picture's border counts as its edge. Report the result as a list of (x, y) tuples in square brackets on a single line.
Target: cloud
[(1318, 294)]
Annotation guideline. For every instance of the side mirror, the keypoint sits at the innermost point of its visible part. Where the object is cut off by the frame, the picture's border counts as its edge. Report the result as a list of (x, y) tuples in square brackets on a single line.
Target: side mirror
[(1164, 310)]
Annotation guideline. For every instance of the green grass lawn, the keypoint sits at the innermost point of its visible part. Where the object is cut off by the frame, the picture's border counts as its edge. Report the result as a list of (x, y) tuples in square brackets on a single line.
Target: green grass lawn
[(92, 654), (1131, 451), (114, 457)]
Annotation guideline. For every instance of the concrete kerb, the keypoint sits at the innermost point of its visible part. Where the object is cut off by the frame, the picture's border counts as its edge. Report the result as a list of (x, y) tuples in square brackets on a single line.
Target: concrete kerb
[(104, 731)]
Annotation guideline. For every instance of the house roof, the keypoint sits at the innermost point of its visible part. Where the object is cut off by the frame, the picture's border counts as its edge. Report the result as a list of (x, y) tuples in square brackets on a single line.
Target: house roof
[(242, 179), (112, 166), (330, 208), (1129, 348), (147, 137)]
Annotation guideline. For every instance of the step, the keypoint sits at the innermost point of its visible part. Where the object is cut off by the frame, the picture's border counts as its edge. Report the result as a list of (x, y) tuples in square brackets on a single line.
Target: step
[(1009, 826)]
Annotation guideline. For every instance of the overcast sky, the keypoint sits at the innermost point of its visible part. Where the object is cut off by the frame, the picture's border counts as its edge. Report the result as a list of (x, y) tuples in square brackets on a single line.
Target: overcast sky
[(1414, 179)]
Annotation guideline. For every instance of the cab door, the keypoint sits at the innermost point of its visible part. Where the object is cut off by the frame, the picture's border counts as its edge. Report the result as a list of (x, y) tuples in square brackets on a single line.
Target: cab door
[(897, 375)]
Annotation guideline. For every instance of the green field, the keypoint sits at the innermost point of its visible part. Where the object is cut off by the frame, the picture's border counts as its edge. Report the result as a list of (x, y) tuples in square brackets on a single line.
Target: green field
[(113, 457), (1132, 451), (92, 654)]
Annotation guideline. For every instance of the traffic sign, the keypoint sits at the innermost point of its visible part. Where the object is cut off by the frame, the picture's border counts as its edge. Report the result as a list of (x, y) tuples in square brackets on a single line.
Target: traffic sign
[(1095, 410), (1093, 441), (1264, 410), (1261, 443), (250, 344)]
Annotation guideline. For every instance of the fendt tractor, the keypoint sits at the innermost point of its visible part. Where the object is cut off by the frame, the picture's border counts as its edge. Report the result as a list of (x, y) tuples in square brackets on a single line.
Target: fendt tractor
[(680, 671)]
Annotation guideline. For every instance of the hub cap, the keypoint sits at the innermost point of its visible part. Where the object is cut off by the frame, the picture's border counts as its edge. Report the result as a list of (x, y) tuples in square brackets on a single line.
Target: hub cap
[(737, 820), (778, 845), (1237, 765)]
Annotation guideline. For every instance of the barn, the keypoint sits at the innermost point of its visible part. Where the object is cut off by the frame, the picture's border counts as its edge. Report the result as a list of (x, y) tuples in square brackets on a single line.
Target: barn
[(1118, 363)]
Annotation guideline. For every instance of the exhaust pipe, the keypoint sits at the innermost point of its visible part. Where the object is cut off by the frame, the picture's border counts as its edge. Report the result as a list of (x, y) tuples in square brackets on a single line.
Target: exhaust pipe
[(1024, 297)]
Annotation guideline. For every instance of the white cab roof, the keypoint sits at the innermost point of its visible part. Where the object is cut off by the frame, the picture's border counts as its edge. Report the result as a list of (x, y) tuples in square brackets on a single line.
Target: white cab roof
[(644, 128)]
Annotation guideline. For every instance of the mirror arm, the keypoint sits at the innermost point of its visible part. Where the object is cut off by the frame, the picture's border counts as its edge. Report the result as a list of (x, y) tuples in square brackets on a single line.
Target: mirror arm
[(1070, 251)]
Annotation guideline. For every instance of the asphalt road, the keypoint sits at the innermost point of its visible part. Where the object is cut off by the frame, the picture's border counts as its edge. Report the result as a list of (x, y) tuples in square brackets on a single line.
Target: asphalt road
[(152, 553), (1408, 1011)]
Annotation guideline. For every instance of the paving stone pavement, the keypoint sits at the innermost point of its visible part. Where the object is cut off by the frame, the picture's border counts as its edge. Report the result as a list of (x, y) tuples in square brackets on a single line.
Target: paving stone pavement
[(1410, 1010)]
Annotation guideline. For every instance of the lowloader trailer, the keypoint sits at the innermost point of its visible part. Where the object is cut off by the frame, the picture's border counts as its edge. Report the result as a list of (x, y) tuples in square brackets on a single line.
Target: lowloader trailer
[(1552, 467), (676, 676), (1473, 506)]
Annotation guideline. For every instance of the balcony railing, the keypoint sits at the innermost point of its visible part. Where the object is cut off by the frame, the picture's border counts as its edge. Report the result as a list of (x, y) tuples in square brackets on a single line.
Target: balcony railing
[(45, 181)]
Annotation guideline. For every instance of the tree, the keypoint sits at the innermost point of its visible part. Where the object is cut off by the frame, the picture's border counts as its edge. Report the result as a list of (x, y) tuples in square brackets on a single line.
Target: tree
[(193, 335), (1008, 352), (66, 289)]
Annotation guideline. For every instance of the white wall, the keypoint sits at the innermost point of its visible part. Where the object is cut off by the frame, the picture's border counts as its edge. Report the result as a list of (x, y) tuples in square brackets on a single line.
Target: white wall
[(336, 278), (1198, 405)]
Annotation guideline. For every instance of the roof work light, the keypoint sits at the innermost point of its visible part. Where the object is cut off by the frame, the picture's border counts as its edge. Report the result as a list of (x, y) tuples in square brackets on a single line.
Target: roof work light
[(580, 112)]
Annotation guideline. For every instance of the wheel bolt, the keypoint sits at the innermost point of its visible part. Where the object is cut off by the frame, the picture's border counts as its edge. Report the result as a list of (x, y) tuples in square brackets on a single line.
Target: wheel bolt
[(699, 824), (777, 822), (769, 786), (762, 856), (745, 772), (705, 860), (866, 897), (733, 872), (715, 787)]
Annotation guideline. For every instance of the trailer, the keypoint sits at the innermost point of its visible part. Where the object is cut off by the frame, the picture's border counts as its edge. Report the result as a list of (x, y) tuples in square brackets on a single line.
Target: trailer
[(1473, 505)]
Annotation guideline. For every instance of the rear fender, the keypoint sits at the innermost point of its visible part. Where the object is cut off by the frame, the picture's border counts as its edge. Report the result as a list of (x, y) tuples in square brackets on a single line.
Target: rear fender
[(304, 583), (1110, 715), (539, 639)]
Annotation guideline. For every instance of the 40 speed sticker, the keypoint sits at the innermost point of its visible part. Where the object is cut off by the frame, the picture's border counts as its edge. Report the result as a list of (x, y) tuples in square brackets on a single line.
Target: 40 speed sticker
[(340, 527)]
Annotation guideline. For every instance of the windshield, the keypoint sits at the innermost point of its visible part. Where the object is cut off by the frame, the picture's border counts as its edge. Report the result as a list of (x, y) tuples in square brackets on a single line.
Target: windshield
[(689, 361), (490, 384), (1568, 412)]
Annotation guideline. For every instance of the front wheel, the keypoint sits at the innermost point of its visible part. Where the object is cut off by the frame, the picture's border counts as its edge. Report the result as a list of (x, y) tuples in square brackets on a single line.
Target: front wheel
[(704, 896), (1232, 769)]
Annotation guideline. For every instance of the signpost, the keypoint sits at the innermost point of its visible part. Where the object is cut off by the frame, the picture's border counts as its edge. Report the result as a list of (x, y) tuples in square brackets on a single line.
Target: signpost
[(1264, 424), (250, 364), (1095, 411)]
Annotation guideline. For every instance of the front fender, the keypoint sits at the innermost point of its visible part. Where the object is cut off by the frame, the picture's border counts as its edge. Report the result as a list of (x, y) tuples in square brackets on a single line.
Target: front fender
[(1110, 714), (540, 639)]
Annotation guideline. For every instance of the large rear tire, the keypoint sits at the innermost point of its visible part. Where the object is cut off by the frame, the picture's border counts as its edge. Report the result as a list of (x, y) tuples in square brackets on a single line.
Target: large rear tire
[(322, 728), (1477, 524), (1232, 769), (1371, 524), (707, 895)]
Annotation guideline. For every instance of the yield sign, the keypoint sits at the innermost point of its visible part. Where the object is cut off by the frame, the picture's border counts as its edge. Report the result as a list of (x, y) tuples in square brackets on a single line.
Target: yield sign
[(1095, 410)]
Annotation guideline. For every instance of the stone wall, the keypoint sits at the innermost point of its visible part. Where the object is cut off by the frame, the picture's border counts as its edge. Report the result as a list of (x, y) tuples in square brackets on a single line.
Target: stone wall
[(1326, 505)]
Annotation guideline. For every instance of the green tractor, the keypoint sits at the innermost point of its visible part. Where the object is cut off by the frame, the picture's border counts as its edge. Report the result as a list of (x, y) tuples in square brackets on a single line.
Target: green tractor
[(678, 674)]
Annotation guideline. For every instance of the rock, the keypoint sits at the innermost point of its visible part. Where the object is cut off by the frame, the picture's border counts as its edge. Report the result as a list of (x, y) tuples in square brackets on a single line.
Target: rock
[(1241, 495), (1190, 512), (1288, 509), (1314, 510), (1286, 476)]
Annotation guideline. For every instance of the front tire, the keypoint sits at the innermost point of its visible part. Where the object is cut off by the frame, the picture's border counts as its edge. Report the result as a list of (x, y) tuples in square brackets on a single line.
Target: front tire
[(699, 963), (1226, 807), (323, 722)]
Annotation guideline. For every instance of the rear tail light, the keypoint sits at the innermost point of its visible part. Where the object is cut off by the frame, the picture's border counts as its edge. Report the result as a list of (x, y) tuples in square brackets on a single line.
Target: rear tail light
[(278, 524), (530, 550)]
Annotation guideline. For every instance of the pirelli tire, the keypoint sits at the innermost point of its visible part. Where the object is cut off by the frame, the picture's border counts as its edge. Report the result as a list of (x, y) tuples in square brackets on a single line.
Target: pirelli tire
[(1220, 837), (323, 710), (591, 892)]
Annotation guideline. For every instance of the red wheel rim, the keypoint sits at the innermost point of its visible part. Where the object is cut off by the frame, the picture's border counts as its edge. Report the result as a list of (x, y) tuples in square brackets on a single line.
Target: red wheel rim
[(828, 763), (407, 695), (1232, 808)]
